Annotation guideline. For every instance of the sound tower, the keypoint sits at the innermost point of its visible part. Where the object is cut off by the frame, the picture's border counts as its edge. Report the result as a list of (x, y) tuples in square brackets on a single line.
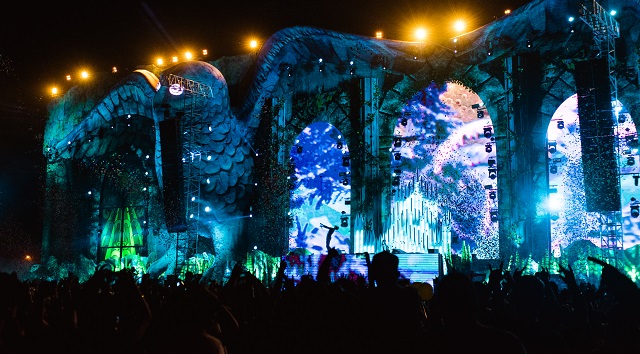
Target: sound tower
[(597, 135), (172, 175)]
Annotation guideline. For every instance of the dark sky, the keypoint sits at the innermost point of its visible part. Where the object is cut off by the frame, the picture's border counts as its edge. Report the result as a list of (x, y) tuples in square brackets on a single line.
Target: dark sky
[(41, 42), (51, 38)]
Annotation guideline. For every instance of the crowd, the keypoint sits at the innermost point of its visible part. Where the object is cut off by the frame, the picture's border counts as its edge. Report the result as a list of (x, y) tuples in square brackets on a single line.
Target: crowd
[(505, 312)]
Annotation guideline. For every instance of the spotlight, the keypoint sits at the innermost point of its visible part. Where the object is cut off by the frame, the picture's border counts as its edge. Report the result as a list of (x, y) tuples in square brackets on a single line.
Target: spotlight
[(492, 194), (631, 160), (299, 149), (487, 132), (344, 221), (475, 106), (339, 144), (397, 142), (488, 147), (494, 214), (552, 147), (480, 114), (493, 173), (560, 124), (635, 179), (345, 182), (397, 156), (529, 43), (491, 161), (635, 207), (553, 169), (395, 181), (345, 160), (404, 121)]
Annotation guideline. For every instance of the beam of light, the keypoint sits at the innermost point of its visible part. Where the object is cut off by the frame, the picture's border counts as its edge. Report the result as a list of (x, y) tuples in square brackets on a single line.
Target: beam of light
[(152, 17)]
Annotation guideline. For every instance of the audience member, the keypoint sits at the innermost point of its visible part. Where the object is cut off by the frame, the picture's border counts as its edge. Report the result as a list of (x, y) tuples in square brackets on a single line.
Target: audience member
[(523, 313)]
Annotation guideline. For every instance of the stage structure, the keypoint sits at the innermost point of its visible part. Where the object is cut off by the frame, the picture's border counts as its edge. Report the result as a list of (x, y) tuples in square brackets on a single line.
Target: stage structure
[(515, 142)]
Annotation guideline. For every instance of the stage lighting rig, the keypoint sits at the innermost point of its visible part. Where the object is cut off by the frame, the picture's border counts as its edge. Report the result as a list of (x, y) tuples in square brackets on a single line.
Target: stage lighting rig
[(493, 172), (345, 160), (635, 207), (344, 219), (494, 214), (488, 131), (631, 160)]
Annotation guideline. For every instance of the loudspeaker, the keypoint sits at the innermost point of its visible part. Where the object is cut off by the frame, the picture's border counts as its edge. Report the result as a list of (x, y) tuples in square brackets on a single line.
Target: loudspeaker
[(172, 175), (597, 135)]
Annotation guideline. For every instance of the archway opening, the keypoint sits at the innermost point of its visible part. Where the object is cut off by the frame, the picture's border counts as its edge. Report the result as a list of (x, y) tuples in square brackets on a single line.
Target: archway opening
[(570, 222), (444, 175), (320, 178)]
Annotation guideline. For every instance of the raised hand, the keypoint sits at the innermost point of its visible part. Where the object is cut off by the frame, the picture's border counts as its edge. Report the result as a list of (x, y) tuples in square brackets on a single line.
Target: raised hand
[(569, 278), (544, 275), (495, 277)]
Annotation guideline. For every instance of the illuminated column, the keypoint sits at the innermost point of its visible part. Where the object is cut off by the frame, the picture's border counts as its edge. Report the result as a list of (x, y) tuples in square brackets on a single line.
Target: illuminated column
[(278, 129), (518, 154), (370, 121)]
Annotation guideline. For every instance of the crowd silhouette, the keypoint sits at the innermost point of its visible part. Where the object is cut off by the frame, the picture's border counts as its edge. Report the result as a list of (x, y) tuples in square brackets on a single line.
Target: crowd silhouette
[(505, 312)]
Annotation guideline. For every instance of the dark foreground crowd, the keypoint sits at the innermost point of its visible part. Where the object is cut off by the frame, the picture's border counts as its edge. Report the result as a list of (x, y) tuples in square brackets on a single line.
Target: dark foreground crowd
[(511, 312)]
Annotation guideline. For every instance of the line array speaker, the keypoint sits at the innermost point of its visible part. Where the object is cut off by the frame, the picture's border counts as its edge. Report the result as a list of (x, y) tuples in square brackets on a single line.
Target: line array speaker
[(172, 175), (597, 135)]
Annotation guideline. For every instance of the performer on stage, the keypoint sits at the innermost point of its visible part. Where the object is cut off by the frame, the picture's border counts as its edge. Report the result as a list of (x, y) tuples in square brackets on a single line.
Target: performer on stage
[(330, 232)]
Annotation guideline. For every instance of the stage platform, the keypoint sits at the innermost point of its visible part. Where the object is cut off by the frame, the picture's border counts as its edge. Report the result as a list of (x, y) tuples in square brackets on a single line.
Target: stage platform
[(416, 267)]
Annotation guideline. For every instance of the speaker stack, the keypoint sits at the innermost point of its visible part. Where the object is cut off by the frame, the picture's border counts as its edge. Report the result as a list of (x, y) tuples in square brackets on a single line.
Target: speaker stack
[(172, 175), (597, 135)]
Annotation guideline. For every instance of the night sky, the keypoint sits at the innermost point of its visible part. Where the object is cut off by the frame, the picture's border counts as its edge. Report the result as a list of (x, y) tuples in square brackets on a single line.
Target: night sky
[(42, 42)]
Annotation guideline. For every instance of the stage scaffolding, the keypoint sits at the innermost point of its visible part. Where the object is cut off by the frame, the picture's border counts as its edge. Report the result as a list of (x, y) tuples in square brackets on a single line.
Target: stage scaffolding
[(192, 128), (605, 31)]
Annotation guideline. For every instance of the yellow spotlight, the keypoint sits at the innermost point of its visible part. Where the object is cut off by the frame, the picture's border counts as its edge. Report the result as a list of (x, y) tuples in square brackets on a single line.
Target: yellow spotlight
[(114, 70), (159, 61), (379, 34), (27, 257), (188, 55), (253, 44), (54, 91), (205, 52), (507, 11), (84, 74), (421, 34), (459, 26), (174, 59), (68, 77)]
